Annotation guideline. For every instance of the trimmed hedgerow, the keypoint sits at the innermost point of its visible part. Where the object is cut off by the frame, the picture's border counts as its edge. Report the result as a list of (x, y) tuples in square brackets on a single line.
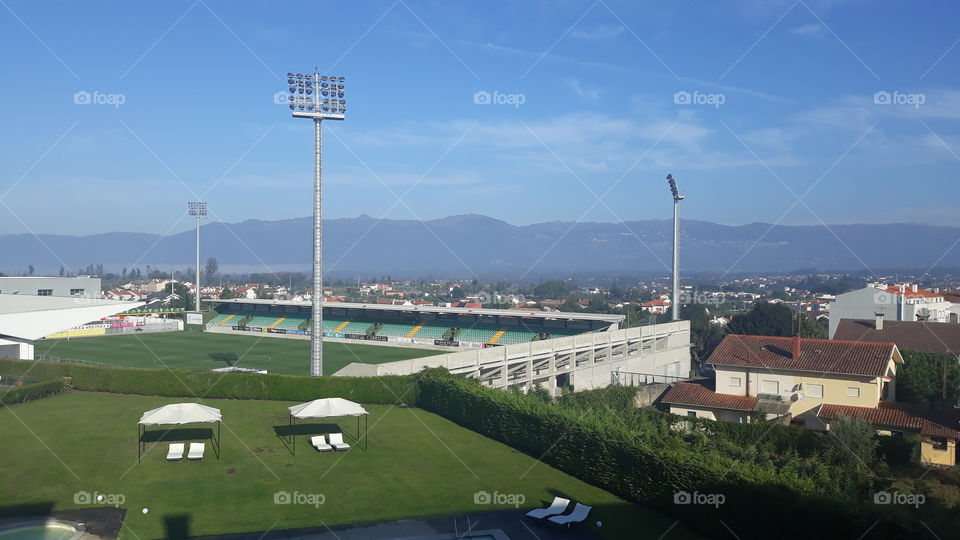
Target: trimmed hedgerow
[(30, 392), (184, 383)]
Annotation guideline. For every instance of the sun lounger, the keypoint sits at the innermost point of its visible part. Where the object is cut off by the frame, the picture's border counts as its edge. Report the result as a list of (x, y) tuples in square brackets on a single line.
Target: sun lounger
[(175, 453), (580, 513), (320, 444), (196, 450), (336, 441), (558, 506)]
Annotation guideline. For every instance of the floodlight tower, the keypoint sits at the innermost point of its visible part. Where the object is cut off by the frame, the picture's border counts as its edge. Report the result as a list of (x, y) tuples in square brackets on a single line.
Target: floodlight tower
[(319, 97), (677, 197), (198, 210)]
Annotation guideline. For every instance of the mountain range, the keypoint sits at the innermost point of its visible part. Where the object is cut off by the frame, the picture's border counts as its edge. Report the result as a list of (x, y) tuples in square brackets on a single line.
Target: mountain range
[(473, 245)]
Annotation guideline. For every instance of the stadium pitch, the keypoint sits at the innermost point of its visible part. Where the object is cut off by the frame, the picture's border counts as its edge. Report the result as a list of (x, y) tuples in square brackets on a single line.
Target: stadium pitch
[(196, 350)]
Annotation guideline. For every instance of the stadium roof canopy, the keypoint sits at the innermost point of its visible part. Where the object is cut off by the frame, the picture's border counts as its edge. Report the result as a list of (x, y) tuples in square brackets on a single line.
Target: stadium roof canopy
[(28, 317), (564, 315)]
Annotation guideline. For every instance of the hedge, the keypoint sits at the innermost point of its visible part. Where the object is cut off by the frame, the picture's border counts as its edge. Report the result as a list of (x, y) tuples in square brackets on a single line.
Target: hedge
[(593, 447), (206, 384), (30, 392)]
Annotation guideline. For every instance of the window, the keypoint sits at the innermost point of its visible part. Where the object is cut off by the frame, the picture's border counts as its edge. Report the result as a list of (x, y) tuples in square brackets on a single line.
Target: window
[(939, 443), (815, 390), (76, 292), (853, 391), (44, 292), (770, 387), (735, 382), (691, 414)]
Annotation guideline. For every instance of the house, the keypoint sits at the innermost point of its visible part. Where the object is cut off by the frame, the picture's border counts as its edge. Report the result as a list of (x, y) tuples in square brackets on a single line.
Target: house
[(938, 431), (789, 377), (922, 336), (903, 302), (657, 307)]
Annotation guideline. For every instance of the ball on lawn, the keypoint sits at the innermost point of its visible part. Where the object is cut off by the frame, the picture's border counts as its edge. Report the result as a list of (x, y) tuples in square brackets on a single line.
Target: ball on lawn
[(599, 524), (145, 510)]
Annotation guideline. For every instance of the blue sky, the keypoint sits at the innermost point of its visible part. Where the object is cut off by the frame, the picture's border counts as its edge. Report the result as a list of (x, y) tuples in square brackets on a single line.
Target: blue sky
[(750, 104)]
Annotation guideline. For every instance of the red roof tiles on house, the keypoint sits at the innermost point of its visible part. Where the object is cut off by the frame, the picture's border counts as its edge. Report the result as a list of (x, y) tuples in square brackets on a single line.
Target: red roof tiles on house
[(910, 293), (816, 355), (696, 395), (923, 336), (900, 415)]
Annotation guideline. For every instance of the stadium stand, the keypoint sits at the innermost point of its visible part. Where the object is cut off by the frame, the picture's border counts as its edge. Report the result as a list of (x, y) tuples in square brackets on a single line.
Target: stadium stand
[(512, 337), (291, 323), (432, 332), (398, 330), (261, 321), (355, 327), (478, 335), (222, 318), (331, 325)]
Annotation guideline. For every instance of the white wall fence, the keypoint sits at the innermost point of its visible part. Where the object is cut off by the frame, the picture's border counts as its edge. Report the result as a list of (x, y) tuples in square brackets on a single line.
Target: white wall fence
[(583, 361)]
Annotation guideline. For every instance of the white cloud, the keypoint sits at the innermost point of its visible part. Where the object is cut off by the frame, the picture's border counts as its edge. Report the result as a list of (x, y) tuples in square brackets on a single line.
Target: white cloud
[(587, 93)]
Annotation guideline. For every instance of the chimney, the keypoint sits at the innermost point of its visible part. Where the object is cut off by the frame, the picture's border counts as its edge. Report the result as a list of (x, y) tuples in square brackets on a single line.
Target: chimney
[(903, 289), (914, 287), (796, 348), (878, 321)]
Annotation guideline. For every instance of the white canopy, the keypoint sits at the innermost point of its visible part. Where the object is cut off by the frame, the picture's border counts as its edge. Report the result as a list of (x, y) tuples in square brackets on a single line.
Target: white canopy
[(180, 413), (327, 408)]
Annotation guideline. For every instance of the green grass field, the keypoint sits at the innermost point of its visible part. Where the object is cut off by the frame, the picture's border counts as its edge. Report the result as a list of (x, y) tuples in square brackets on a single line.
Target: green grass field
[(415, 464), (196, 350)]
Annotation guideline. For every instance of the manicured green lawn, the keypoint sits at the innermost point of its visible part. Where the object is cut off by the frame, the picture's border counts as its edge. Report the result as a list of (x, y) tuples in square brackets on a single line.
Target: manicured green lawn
[(416, 464), (193, 349)]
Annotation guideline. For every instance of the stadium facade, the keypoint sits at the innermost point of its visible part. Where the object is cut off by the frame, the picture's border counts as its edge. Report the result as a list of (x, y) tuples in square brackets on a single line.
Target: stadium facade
[(77, 287), (501, 347)]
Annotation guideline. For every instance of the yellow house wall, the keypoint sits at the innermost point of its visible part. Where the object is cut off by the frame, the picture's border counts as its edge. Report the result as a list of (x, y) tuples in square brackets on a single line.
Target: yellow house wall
[(938, 457)]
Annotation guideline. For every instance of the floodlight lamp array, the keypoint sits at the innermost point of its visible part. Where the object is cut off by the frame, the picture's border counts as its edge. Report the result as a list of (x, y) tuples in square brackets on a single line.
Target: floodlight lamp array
[(316, 94)]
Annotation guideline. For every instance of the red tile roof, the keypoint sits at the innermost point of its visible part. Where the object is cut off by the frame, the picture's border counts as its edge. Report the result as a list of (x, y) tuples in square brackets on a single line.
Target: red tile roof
[(900, 415), (923, 336), (909, 293), (696, 395), (816, 355)]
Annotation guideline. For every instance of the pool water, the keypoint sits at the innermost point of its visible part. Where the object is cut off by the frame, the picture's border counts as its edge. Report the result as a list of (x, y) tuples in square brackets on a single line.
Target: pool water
[(51, 531)]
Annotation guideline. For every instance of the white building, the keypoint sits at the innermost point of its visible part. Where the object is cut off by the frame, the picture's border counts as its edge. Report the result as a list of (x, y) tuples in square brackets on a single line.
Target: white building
[(84, 286), (903, 302)]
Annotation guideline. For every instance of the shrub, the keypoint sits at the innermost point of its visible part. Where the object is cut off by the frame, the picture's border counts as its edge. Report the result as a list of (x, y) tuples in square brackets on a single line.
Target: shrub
[(205, 384), (30, 392)]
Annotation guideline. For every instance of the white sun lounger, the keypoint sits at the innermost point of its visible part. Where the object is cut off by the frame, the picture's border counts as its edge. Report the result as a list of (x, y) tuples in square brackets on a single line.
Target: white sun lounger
[(196, 450), (557, 507), (320, 444), (175, 453), (580, 513), (336, 441)]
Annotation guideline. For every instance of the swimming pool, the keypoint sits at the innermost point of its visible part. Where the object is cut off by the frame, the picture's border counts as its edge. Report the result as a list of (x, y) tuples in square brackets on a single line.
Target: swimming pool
[(52, 530)]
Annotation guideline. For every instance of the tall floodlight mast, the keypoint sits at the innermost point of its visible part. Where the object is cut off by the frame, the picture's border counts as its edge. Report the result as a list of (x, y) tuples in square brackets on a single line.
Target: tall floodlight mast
[(318, 97), (677, 197), (197, 210)]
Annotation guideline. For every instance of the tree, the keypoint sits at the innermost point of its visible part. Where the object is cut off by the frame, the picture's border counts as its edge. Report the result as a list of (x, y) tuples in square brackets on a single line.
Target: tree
[(928, 379), (456, 293), (185, 301), (767, 319), (851, 445), (61, 271), (211, 268), (551, 289), (226, 294), (30, 270)]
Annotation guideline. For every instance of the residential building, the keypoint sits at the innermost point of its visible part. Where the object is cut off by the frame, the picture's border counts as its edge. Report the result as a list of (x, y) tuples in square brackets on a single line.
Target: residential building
[(903, 302), (931, 337), (657, 307), (83, 286)]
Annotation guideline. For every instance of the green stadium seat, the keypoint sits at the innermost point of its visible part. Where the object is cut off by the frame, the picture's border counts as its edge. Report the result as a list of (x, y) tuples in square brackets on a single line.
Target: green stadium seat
[(396, 330)]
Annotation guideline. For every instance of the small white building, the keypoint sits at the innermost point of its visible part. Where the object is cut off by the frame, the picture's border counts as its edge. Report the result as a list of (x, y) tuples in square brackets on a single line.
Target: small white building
[(902, 302)]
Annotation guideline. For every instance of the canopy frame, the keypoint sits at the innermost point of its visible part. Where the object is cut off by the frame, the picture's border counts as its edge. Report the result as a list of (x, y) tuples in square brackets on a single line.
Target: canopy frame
[(292, 425), (142, 433)]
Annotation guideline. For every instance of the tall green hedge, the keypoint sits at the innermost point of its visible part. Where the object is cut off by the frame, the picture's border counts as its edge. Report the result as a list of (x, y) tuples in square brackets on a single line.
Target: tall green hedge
[(30, 392), (177, 382), (759, 497)]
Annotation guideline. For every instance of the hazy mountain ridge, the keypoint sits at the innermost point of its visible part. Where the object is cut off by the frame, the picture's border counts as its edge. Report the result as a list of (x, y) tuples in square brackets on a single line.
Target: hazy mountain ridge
[(470, 245)]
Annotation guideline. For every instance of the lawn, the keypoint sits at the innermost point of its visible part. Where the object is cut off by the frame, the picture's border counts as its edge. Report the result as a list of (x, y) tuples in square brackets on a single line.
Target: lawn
[(416, 464), (193, 349)]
